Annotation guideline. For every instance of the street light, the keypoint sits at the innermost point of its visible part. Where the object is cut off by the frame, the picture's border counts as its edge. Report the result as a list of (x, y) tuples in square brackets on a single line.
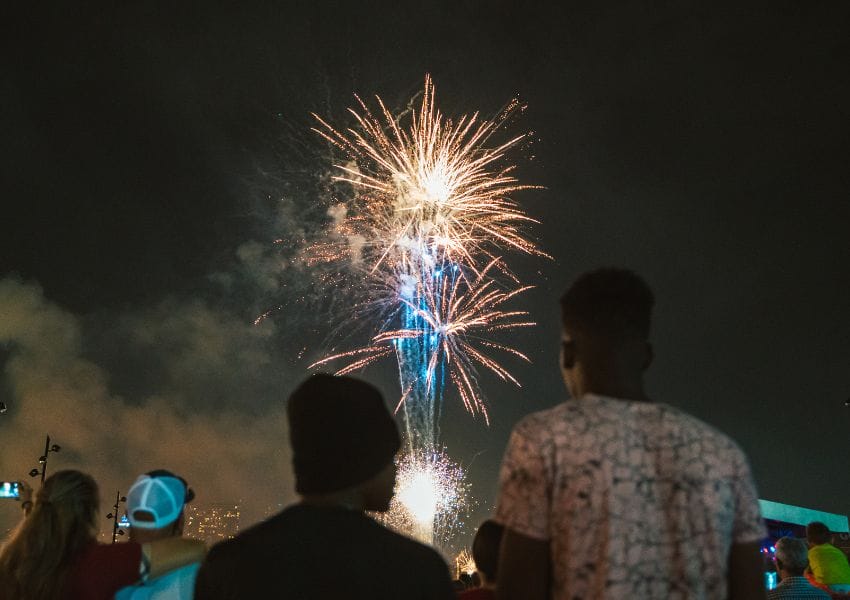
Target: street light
[(114, 515), (42, 460)]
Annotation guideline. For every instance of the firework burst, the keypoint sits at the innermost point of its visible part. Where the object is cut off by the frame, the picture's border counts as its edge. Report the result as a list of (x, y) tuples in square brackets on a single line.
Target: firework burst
[(431, 496), (431, 212), (454, 318), (431, 192)]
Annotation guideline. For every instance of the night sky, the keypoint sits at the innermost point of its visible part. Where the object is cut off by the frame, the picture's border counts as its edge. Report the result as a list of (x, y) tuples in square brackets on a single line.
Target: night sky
[(151, 155)]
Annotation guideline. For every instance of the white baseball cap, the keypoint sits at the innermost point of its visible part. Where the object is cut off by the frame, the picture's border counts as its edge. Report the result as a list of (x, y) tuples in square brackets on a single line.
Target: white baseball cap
[(161, 495)]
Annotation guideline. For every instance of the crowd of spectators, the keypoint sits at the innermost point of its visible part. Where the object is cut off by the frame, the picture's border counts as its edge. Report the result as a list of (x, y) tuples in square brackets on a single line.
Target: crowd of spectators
[(607, 495)]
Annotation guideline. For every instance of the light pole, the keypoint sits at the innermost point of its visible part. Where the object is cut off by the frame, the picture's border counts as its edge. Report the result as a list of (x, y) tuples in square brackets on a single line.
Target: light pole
[(114, 515), (42, 460)]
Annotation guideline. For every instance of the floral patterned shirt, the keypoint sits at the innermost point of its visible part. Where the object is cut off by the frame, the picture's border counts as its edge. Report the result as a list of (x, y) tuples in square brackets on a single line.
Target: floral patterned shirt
[(637, 499)]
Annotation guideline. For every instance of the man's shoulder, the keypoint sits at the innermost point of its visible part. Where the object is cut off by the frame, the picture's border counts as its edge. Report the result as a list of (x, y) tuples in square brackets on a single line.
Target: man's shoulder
[(401, 553), (255, 537), (593, 407), (272, 543), (281, 527), (404, 546), (275, 542), (796, 587), (574, 418), (697, 426), (543, 421)]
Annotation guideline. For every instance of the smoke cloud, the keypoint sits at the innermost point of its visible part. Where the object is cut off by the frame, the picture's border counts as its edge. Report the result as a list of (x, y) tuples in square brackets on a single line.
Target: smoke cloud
[(182, 385)]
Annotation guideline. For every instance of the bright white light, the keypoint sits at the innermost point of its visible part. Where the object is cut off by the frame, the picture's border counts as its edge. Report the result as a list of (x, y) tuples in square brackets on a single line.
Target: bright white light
[(431, 497), (419, 496), (436, 186)]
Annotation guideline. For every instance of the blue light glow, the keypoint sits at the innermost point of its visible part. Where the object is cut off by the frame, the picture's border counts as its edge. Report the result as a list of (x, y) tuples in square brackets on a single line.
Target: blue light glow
[(770, 580)]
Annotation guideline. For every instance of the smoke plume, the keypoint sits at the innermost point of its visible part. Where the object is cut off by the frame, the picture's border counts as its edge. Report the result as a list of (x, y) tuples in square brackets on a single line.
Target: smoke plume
[(181, 385)]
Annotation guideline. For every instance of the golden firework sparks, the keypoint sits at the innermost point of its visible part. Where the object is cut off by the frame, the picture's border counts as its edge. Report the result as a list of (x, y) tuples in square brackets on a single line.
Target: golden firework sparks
[(431, 192), (431, 212)]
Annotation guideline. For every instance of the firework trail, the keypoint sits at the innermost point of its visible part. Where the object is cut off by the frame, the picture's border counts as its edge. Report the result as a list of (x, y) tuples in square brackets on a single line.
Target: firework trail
[(447, 320), (427, 223), (430, 215)]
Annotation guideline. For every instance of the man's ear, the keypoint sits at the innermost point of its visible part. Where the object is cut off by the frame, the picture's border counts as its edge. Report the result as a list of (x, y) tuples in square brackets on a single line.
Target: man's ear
[(568, 354), (650, 355)]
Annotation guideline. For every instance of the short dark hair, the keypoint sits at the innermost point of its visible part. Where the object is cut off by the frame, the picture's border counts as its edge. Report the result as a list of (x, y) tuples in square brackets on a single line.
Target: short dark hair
[(793, 554), (485, 548), (817, 533), (610, 302)]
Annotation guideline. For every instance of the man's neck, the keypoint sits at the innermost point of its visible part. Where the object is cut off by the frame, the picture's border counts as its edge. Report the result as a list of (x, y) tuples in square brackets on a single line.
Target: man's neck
[(617, 389)]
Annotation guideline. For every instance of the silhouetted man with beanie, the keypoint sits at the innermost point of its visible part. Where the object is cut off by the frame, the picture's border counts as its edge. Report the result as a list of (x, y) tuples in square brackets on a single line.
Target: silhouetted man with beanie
[(344, 443)]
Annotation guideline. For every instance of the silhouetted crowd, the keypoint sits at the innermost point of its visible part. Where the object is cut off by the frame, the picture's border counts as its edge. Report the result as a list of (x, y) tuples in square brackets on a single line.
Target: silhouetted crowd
[(607, 495)]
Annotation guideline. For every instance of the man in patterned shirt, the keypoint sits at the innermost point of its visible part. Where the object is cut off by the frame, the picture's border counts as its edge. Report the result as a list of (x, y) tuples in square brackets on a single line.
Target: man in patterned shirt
[(791, 560), (611, 495)]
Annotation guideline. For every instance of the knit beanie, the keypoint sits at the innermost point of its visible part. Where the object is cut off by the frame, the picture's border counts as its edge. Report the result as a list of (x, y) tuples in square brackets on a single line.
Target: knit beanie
[(341, 433)]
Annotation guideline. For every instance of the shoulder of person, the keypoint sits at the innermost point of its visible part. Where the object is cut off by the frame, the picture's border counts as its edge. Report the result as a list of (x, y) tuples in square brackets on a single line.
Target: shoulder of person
[(719, 438), (541, 421), (434, 567), (258, 535), (229, 548), (416, 551)]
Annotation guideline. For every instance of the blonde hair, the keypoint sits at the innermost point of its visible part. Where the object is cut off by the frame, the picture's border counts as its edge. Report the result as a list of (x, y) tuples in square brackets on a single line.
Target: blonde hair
[(34, 563)]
